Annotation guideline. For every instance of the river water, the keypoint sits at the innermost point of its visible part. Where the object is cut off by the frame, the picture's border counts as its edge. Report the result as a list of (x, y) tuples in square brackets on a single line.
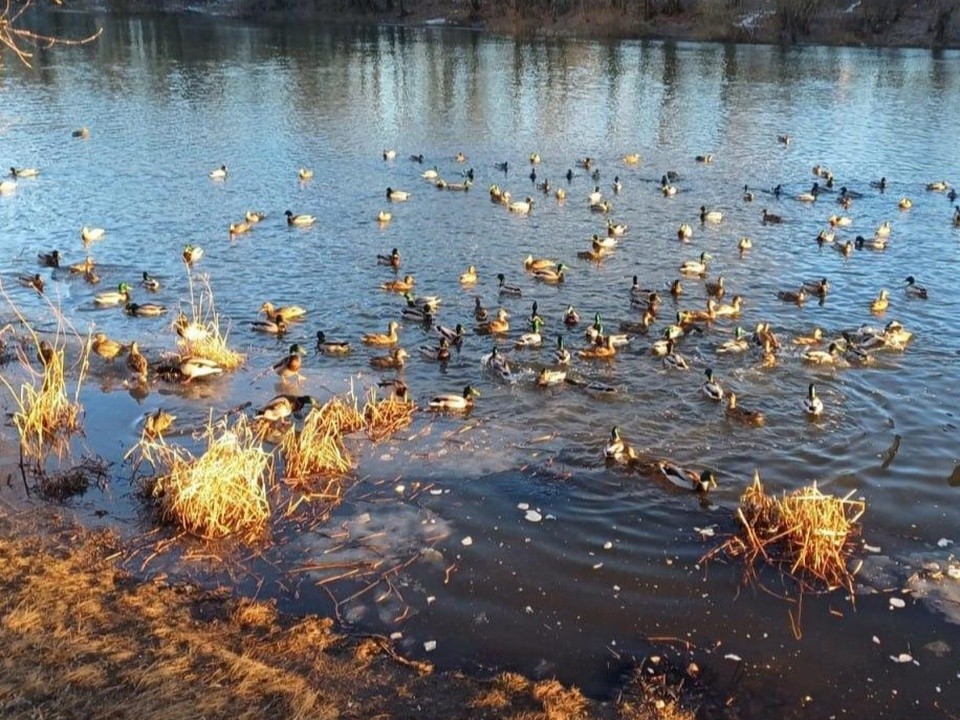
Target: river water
[(612, 571)]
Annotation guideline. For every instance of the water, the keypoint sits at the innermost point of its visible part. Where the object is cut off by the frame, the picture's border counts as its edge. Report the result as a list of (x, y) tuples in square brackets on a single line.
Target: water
[(169, 99)]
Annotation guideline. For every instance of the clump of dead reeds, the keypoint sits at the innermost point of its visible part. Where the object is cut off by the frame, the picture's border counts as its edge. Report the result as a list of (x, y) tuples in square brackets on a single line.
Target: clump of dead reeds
[(809, 533), (221, 492), (317, 448), (208, 338), (341, 413), (75, 480), (384, 417)]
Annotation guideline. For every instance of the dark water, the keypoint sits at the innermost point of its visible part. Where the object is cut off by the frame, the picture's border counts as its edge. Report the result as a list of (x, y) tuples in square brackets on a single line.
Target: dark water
[(613, 565)]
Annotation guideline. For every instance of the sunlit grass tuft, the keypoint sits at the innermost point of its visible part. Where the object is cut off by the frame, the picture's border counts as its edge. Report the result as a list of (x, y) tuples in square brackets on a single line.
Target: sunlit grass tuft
[(211, 344)]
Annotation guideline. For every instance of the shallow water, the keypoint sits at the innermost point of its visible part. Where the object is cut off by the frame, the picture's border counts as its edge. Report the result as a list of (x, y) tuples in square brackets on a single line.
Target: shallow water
[(169, 99)]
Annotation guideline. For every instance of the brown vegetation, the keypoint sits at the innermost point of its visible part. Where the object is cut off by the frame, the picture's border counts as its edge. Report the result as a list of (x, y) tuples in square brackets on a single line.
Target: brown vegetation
[(17, 38), (213, 344)]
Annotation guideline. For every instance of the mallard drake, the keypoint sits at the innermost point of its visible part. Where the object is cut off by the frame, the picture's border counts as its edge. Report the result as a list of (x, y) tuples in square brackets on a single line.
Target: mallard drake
[(254, 216), (192, 253), (604, 206), (744, 244), (551, 277), (137, 362), (711, 389), (441, 353), (883, 229), (815, 338), (748, 196), (663, 346), (707, 158), (666, 188), (812, 405), (772, 218), (639, 293), (155, 424), (616, 229), (144, 309), (219, 173), (383, 217), (287, 312), (83, 133), (291, 364), (496, 326), (24, 172), (301, 220), (617, 449), (602, 351), (548, 378), (91, 234), (283, 406), (739, 343), (193, 368), (496, 362), (120, 295), (190, 331), (570, 316), (881, 302), (711, 216), (50, 259), (742, 414), (32, 281), (822, 357), (824, 237), (631, 159), (938, 186), (469, 277), (700, 482), (716, 289), (395, 360), (905, 203), (273, 325), (811, 196), (388, 338), (389, 154), (391, 260), (913, 290), (149, 282), (595, 197), (531, 339), (696, 267), (595, 331), (454, 335), (840, 220), (305, 173), (404, 285), (799, 297), (561, 356), (397, 195), (331, 347), (105, 347), (239, 228), (7, 187), (505, 289), (617, 185), (449, 401), (673, 360), (895, 335), (521, 207)]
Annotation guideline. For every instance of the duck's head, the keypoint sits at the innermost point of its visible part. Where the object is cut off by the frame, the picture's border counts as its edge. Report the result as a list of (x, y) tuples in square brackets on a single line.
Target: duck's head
[(123, 288), (706, 481), (615, 433), (296, 349), (709, 373), (392, 326), (559, 342), (812, 391), (500, 277), (910, 280), (321, 336), (597, 320), (470, 392)]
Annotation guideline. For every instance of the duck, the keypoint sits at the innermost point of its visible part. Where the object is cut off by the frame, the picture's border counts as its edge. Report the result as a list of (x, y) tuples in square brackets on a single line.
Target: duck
[(742, 414), (798, 297), (425, 305), (596, 253), (560, 195), (50, 259), (666, 188), (880, 184), (120, 295), (905, 203), (305, 173), (401, 286), (784, 139), (956, 216), (286, 312), (701, 482), (616, 229), (772, 218), (190, 331), (551, 277), (739, 343), (706, 158), (505, 289), (193, 368), (273, 325), (219, 173), (881, 302), (617, 185), (497, 363), (548, 378), (938, 186), (617, 449), (394, 361), (137, 362), (331, 347), (585, 162), (521, 207), (155, 424), (534, 159), (602, 351), (711, 389), (149, 282), (825, 237), (391, 260), (676, 288), (874, 243), (913, 290), (570, 316), (673, 360), (532, 339), (883, 229), (283, 406), (417, 159), (24, 172), (239, 228), (685, 231), (7, 187), (814, 338), (469, 277), (822, 357), (91, 234), (388, 338), (454, 335), (711, 216), (441, 353), (144, 309), (561, 356), (532, 264), (748, 196), (744, 244), (299, 220), (820, 287), (663, 346), (495, 326), (763, 336), (812, 404), (397, 195), (696, 267), (811, 196), (431, 174), (638, 293), (642, 327), (32, 281), (595, 332), (845, 249), (459, 403), (716, 289), (291, 364), (631, 159), (254, 216), (686, 318), (383, 217), (480, 313), (840, 220), (895, 335), (192, 253), (731, 309), (389, 154), (105, 347), (604, 243)]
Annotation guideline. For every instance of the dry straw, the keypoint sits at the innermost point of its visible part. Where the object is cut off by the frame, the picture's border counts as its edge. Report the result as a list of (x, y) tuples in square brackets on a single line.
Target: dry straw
[(213, 343), (386, 417), (221, 492), (318, 449), (809, 533)]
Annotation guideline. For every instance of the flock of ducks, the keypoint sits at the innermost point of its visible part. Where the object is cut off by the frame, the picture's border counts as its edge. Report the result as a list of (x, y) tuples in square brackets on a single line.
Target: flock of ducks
[(662, 334)]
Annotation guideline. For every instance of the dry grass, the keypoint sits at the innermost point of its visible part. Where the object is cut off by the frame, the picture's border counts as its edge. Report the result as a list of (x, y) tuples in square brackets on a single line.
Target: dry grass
[(203, 312), (386, 417), (660, 691), (341, 414), (807, 532), (558, 701), (317, 449), (73, 481), (223, 491)]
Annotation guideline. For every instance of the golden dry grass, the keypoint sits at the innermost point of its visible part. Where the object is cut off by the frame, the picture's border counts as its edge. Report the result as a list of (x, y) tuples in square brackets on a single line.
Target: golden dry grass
[(317, 448), (203, 313), (807, 532), (387, 416), (221, 492)]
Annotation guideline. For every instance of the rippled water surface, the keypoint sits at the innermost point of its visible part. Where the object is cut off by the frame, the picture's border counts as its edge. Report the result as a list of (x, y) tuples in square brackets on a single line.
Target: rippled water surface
[(613, 568)]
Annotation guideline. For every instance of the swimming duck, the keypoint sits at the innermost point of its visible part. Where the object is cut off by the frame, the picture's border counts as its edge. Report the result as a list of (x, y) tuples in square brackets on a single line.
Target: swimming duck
[(305, 173), (32, 281), (450, 401), (913, 290), (895, 335), (404, 285), (570, 316), (219, 174), (91, 234), (603, 206), (880, 184), (534, 159), (812, 405), (480, 313), (815, 338), (711, 216), (389, 338), (742, 414), (395, 360), (706, 158), (190, 331), (744, 244), (301, 220), (688, 479), (454, 335), (287, 312), (602, 351), (561, 356), (441, 353), (495, 326), (673, 360), (595, 197), (497, 363), (331, 347), (291, 364), (144, 309), (7, 187), (711, 388), (845, 249), (595, 332), (731, 309), (551, 277), (638, 293), (192, 253), (150, 282), (121, 295), (696, 267), (748, 196), (469, 277), (239, 228), (666, 188), (784, 139), (521, 207), (137, 362), (716, 289), (560, 195), (157, 423), (769, 217), (881, 302), (50, 259), (548, 378), (391, 260), (905, 203), (799, 297), (397, 195), (691, 317), (631, 159), (283, 406), (105, 347), (938, 186), (585, 162), (431, 174), (616, 229), (617, 449), (685, 231), (389, 154), (531, 339), (739, 343), (811, 196), (822, 357), (531, 264), (24, 172), (273, 325), (676, 288), (505, 289), (617, 185), (956, 216), (254, 216), (383, 217), (192, 368), (824, 237)]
